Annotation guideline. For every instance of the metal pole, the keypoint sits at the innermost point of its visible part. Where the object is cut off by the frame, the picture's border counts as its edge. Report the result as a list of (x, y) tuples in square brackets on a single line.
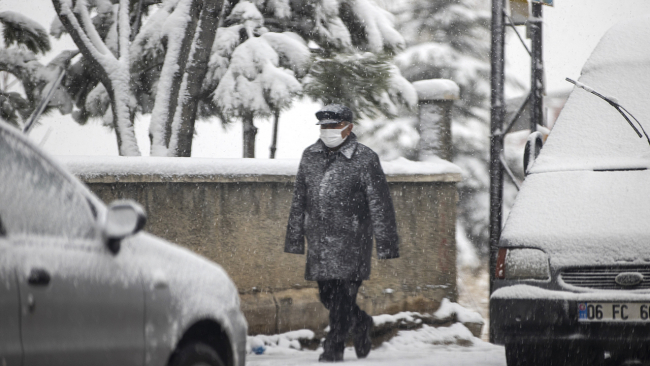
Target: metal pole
[(496, 137), (537, 68)]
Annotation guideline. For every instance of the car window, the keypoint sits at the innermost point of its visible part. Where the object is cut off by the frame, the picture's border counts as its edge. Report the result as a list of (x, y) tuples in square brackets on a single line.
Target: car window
[(37, 199)]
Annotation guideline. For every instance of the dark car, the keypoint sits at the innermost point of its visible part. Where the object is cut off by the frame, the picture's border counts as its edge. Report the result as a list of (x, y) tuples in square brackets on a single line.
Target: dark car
[(80, 284), (573, 269)]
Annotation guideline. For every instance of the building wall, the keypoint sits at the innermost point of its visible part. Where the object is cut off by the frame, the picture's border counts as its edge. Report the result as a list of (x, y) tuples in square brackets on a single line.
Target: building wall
[(240, 224)]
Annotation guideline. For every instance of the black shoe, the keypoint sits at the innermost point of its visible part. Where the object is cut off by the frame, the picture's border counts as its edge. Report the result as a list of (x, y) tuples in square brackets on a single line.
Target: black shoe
[(331, 357), (333, 352), (362, 341)]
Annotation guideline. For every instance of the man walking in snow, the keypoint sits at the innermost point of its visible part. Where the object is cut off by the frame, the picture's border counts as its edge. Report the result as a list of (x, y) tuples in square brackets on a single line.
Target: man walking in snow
[(340, 201)]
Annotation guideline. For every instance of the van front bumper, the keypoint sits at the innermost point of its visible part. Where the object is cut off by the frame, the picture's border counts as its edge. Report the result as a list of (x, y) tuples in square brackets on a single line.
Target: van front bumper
[(528, 314)]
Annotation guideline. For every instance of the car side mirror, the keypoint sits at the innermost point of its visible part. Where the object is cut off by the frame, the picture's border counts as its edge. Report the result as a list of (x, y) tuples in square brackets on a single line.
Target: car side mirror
[(124, 218), (532, 149)]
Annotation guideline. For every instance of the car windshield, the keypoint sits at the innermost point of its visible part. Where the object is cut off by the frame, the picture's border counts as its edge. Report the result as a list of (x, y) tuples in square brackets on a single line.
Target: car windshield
[(35, 198)]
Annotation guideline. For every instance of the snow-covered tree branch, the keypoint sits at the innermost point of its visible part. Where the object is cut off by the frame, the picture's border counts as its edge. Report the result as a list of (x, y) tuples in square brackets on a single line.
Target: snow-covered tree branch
[(19, 67), (256, 82)]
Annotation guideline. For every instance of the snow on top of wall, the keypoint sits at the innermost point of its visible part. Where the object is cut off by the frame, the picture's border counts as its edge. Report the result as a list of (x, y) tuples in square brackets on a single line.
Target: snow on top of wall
[(583, 217), (437, 89), (590, 133), (93, 166), (433, 165)]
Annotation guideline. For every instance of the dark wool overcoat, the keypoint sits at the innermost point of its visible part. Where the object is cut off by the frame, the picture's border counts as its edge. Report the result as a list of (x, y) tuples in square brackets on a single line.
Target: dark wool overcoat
[(340, 200)]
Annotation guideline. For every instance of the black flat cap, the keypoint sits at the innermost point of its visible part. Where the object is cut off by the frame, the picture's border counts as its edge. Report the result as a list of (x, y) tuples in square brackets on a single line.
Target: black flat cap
[(334, 113)]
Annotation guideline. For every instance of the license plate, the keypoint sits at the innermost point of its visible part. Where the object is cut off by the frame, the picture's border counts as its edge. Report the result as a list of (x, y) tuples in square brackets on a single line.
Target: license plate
[(613, 312)]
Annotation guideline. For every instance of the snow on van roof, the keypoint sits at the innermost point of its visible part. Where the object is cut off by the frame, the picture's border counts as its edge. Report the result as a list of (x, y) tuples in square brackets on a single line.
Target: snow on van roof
[(590, 133), (583, 217), (95, 166)]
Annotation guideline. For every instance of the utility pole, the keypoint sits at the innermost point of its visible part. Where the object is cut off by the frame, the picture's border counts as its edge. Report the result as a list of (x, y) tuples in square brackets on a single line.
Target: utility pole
[(497, 115), (497, 128), (537, 68)]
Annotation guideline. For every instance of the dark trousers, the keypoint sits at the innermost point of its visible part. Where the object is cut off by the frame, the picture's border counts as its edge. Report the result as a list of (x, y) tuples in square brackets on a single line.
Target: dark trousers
[(340, 298)]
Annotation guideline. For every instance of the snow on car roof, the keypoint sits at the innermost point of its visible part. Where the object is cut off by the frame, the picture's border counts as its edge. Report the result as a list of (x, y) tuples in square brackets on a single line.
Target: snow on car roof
[(583, 217), (590, 133)]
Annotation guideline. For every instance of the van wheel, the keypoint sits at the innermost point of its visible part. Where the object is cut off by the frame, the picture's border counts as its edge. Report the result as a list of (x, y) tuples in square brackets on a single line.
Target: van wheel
[(534, 355), (196, 354), (519, 355), (548, 354)]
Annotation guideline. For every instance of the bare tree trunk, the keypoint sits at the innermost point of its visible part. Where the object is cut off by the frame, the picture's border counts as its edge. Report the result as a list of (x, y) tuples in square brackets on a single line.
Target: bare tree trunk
[(274, 142), (250, 131), (183, 122)]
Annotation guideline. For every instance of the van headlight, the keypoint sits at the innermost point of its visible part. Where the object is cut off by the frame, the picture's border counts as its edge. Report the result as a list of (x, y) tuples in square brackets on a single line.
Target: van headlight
[(522, 264)]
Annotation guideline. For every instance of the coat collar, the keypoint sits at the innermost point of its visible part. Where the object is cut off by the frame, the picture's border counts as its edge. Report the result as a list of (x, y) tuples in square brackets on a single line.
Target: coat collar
[(347, 149)]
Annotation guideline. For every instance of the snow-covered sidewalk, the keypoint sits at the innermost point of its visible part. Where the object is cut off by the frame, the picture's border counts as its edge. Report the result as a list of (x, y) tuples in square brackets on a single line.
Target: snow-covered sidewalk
[(428, 345), (485, 354)]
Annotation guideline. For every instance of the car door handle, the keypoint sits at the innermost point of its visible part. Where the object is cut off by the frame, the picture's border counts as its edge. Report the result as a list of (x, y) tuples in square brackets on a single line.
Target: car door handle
[(38, 277)]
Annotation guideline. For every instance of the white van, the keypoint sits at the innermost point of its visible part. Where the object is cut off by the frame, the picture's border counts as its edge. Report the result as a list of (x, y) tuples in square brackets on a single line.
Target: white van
[(573, 270)]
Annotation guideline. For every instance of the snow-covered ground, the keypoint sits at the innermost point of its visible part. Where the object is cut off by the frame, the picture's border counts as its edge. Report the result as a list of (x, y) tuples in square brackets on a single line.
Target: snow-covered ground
[(473, 293), (482, 354), (452, 345), (427, 345)]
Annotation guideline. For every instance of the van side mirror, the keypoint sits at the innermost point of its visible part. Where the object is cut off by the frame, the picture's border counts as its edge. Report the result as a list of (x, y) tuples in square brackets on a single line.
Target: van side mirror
[(124, 218), (532, 150)]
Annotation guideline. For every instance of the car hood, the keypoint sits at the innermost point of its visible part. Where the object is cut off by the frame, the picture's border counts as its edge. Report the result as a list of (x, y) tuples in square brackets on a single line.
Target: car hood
[(583, 218), (195, 287)]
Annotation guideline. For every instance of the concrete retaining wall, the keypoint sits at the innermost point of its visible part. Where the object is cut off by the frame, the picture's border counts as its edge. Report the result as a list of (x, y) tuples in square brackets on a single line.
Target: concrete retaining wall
[(239, 221)]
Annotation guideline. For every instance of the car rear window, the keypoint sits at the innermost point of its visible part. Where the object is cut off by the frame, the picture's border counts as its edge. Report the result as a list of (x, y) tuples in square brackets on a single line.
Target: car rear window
[(35, 198)]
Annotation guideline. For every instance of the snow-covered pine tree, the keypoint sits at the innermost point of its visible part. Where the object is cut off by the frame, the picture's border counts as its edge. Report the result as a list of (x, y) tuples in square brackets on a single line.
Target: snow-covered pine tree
[(353, 62), (283, 29), (263, 72), (23, 79), (350, 41), (448, 39), (369, 84), (175, 71)]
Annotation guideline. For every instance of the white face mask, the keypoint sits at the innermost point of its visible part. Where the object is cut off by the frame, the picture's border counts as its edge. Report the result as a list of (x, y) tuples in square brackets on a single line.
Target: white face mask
[(332, 137)]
